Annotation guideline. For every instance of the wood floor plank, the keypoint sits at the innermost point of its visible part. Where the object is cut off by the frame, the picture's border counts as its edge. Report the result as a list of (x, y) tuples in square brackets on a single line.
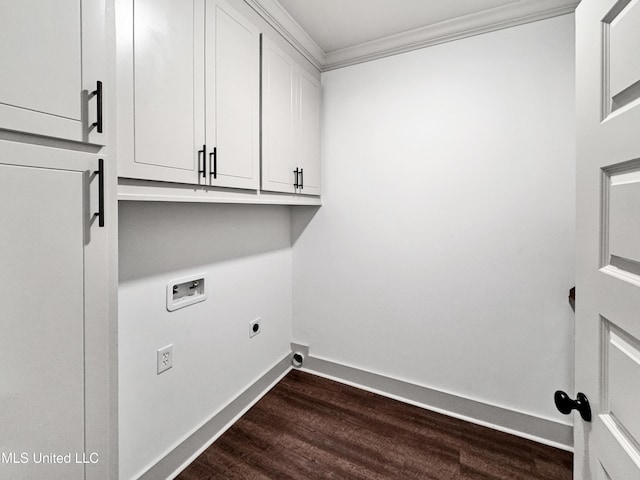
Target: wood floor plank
[(308, 427)]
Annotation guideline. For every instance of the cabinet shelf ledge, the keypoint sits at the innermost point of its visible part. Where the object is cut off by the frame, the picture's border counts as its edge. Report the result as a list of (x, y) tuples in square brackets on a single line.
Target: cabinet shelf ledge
[(151, 191)]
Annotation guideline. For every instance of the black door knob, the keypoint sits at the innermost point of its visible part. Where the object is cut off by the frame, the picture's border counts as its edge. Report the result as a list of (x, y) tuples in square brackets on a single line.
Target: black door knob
[(564, 404)]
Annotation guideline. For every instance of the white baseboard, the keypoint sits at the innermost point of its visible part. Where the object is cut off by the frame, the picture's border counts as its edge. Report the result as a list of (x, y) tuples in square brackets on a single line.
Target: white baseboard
[(524, 425), (169, 466), (541, 430)]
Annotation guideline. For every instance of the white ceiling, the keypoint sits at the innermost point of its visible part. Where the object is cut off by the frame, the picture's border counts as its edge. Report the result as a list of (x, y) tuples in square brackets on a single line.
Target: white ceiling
[(336, 24)]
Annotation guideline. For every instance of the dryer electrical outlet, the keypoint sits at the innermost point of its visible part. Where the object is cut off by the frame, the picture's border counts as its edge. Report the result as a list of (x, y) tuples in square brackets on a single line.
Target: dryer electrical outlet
[(186, 291), (254, 327)]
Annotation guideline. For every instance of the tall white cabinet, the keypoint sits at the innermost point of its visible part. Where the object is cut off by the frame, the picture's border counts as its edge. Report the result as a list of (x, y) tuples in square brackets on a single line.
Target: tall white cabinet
[(290, 124), (57, 355), (52, 57), (190, 93), (51, 306)]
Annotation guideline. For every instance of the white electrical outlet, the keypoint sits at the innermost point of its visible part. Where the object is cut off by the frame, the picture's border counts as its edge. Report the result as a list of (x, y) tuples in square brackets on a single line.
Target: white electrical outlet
[(254, 327), (165, 358)]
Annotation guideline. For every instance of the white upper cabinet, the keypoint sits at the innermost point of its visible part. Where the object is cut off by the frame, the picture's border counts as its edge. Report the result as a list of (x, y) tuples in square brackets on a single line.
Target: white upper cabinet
[(193, 114), (166, 68), (232, 97), (290, 125), (278, 117), (308, 153), (52, 56), (189, 105)]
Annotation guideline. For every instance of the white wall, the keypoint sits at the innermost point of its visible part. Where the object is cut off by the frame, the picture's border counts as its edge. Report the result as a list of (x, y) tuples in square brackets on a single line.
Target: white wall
[(444, 251), (245, 250)]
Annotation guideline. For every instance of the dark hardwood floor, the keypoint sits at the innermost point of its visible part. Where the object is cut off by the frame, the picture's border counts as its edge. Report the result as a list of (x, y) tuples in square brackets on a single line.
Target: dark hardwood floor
[(309, 427)]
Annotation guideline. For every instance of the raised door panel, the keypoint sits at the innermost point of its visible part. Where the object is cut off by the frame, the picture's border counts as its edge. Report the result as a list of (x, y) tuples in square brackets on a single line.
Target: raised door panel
[(168, 76), (41, 56), (278, 122), (52, 55), (623, 29), (233, 97), (308, 151), (46, 227)]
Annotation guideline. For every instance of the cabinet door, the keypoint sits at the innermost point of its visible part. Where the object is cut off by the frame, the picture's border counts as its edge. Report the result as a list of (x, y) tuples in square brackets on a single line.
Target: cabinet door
[(233, 97), (47, 238), (278, 111), (168, 96), (52, 55), (308, 147)]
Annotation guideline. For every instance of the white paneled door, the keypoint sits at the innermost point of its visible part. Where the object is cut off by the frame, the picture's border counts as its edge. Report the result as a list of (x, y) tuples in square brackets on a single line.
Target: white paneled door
[(608, 231)]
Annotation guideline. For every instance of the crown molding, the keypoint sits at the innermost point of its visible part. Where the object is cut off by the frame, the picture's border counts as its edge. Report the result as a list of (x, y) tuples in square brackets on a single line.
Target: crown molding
[(510, 15), (285, 25)]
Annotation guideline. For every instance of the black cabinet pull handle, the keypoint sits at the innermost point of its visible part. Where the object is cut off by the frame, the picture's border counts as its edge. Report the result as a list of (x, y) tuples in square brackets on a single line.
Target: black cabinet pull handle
[(564, 404), (98, 93), (213, 164), (572, 298), (100, 212), (295, 182), (301, 178), (204, 161)]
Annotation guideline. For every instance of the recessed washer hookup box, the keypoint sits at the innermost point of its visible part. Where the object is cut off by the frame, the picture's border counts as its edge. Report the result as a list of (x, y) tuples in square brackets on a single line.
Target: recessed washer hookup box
[(186, 291)]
